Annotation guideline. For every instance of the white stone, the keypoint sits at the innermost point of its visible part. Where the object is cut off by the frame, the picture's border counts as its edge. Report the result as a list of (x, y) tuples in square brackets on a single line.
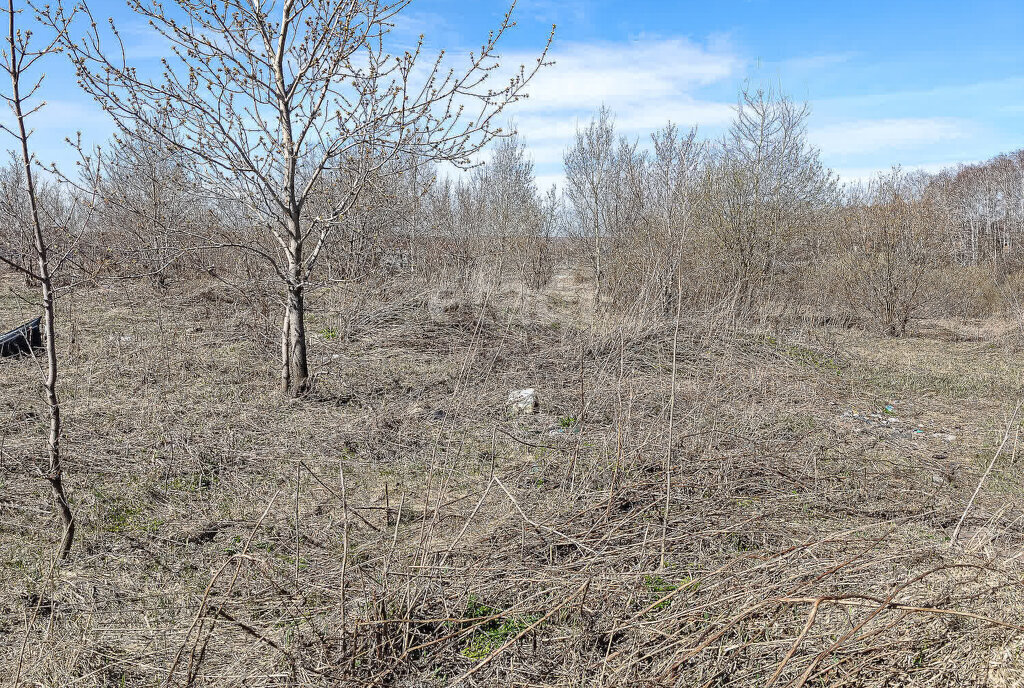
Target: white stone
[(523, 401)]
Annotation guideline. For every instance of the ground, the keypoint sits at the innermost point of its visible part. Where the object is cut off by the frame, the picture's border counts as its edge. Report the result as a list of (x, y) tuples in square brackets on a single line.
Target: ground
[(709, 505)]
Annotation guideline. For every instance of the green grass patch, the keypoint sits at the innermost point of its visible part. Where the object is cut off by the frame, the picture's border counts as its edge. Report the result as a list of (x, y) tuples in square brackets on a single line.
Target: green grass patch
[(122, 517), (494, 633)]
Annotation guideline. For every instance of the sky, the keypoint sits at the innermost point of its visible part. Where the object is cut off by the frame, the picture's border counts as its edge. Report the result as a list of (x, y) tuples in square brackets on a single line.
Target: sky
[(919, 84)]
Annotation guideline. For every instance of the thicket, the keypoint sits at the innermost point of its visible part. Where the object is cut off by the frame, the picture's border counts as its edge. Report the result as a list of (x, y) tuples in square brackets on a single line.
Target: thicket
[(752, 222)]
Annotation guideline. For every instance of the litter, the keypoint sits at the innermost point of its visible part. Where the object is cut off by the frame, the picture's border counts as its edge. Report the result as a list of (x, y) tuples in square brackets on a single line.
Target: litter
[(22, 340)]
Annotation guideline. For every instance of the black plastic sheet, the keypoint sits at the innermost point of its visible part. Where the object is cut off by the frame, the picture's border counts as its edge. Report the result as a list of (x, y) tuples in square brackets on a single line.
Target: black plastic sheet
[(22, 340)]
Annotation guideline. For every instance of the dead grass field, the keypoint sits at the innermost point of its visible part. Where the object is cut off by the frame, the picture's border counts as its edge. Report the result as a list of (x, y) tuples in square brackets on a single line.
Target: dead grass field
[(783, 519)]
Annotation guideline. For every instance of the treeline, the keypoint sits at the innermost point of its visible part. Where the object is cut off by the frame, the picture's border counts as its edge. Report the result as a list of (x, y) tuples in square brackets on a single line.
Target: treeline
[(752, 221)]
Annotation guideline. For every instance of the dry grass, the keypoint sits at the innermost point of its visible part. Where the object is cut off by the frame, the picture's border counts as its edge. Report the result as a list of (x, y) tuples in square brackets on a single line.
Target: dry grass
[(398, 528)]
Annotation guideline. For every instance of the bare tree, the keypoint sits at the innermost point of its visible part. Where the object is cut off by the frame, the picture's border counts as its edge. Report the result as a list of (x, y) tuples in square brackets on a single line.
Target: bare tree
[(590, 183), (541, 251), (764, 187), (149, 209), (511, 216), (17, 57), (17, 238), (674, 173), (268, 96)]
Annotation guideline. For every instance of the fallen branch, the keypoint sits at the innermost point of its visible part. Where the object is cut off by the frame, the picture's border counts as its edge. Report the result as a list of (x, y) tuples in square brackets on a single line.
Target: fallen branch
[(865, 601)]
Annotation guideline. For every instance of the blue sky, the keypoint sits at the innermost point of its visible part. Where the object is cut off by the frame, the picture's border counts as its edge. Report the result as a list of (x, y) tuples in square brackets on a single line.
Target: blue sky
[(921, 84)]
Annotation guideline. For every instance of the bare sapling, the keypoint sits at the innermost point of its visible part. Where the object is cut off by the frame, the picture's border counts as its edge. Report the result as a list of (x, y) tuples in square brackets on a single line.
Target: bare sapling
[(17, 57)]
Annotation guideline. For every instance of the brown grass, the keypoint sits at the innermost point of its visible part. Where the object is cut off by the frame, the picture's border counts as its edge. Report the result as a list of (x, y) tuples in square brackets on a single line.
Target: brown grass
[(398, 528)]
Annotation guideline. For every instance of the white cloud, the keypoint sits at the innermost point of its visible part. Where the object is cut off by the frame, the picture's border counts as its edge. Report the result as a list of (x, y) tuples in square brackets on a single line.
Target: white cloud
[(871, 135), (682, 110), (546, 152), (646, 83), (546, 181), (585, 75)]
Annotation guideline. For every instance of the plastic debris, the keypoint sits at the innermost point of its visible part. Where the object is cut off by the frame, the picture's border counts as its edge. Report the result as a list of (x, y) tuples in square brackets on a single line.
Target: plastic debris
[(890, 425)]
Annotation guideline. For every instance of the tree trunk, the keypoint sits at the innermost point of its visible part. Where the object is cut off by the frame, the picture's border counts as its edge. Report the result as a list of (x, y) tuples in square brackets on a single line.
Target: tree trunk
[(294, 369), (297, 381), (55, 473)]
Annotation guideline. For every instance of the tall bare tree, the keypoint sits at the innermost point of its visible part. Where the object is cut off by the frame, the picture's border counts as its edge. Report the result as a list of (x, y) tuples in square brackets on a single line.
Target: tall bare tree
[(507, 196), (267, 96), (675, 165), (17, 57), (765, 185), (590, 177), (148, 207)]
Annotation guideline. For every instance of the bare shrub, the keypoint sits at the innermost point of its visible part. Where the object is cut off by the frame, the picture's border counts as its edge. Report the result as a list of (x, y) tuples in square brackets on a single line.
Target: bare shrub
[(149, 208), (885, 267), (539, 253), (16, 212)]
